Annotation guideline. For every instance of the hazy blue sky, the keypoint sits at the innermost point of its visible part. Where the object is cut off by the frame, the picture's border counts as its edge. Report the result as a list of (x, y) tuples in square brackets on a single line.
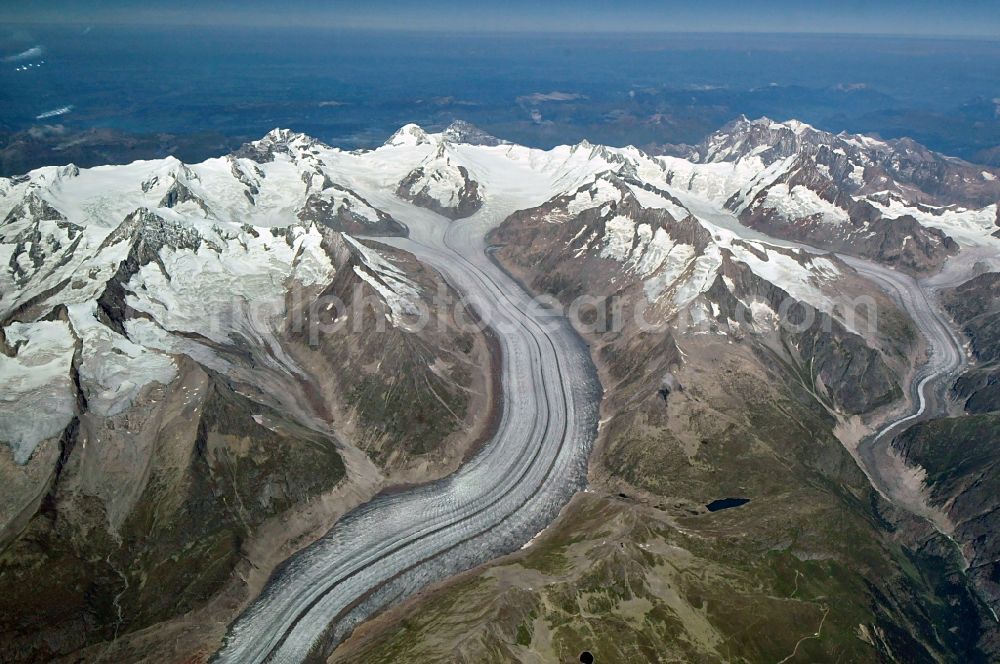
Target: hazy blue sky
[(941, 17)]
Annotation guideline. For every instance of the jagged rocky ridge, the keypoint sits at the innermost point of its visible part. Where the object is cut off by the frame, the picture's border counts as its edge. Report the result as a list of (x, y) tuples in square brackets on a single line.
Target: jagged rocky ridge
[(886, 200), (898, 166)]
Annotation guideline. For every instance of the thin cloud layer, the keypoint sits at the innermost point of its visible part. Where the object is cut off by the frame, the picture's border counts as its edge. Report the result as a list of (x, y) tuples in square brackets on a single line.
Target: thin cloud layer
[(29, 54)]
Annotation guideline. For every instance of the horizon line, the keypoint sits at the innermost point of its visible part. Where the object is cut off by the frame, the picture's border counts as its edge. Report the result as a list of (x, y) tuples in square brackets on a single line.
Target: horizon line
[(991, 36)]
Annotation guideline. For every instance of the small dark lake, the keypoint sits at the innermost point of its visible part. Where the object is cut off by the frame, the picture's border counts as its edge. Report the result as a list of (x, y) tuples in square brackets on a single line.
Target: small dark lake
[(726, 503)]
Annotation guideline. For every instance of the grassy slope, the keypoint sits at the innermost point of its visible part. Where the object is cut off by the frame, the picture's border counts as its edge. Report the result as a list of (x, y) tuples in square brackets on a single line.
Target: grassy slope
[(962, 461), (637, 569)]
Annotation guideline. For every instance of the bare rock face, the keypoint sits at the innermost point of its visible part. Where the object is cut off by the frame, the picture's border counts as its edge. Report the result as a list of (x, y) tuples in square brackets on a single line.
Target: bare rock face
[(841, 367), (577, 242), (145, 514), (341, 209), (406, 392), (960, 463), (443, 186), (180, 193), (33, 208), (466, 133), (975, 305)]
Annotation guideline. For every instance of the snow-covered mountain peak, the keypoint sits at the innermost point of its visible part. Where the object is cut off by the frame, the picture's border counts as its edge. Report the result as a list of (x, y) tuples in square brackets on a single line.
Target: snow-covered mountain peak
[(409, 135), (32, 208), (594, 151), (623, 161), (895, 201), (441, 184), (279, 136), (798, 127), (169, 173), (53, 176), (466, 133), (294, 145), (744, 123), (902, 159), (762, 136), (154, 230)]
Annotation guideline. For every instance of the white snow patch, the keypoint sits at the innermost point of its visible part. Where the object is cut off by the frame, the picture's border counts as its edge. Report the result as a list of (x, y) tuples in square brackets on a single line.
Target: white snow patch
[(114, 369), (652, 200), (620, 231), (599, 193), (703, 274), (800, 276), (967, 227), (399, 293), (802, 202), (38, 400)]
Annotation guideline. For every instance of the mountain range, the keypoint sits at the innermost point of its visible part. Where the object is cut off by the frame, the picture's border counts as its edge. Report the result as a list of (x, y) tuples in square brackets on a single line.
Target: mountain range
[(207, 366)]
